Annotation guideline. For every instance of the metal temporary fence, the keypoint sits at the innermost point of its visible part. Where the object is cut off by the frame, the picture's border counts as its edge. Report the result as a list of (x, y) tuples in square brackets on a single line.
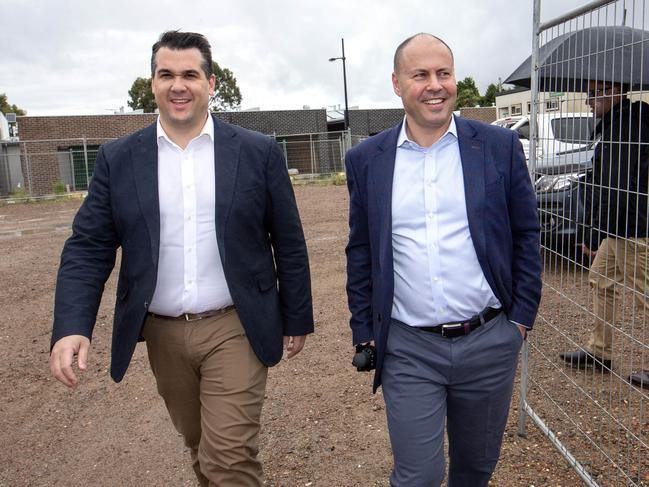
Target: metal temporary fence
[(44, 167), (591, 189), (315, 154)]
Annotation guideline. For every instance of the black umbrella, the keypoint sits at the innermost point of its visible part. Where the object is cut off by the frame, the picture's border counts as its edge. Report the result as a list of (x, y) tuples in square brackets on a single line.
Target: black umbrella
[(614, 54)]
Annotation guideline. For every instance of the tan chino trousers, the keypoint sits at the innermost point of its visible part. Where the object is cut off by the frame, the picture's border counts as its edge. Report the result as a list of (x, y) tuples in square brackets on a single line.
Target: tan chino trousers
[(618, 262), (213, 385)]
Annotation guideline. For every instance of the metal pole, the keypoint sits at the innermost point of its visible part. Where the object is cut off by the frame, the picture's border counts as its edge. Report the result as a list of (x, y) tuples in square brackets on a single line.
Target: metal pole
[(345, 86), (536, 20), (85, 160)]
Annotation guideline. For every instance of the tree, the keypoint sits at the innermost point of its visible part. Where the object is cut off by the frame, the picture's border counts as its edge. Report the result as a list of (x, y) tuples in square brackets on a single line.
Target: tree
[(5, 107), (227, 95), (142, 96), (489, 98), (467, 93)]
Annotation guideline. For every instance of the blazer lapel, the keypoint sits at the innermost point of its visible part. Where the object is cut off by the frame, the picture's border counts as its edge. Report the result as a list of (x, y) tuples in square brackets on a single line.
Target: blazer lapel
[(473, 169), (381, 170), (227, 148), (145, 169)]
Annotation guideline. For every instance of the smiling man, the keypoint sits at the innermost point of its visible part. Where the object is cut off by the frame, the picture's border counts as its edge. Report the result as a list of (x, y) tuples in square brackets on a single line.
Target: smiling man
[(214, 272), (444, 272)]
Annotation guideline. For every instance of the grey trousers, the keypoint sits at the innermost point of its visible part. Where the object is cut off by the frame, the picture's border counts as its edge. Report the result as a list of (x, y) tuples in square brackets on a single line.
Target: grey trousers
[(465, 382)]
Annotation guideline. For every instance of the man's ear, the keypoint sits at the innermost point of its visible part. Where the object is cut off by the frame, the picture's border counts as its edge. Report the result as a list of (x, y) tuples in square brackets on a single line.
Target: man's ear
[(395, 85)]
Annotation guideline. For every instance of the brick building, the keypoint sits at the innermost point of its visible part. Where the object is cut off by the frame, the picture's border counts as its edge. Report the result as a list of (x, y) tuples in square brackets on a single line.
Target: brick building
[(55, 149)]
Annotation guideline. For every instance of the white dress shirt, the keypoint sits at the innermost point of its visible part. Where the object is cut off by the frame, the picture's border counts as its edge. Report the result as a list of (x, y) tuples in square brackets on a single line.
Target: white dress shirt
[(437, 276), (190, 273)]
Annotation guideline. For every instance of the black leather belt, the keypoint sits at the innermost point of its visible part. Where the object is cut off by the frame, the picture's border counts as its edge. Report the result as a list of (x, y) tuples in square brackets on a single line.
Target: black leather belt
[(193, 316), (451, 330)]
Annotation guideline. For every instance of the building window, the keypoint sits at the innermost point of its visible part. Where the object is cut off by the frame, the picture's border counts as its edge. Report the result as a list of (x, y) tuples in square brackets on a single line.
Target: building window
[(503, 112), (552, 104), (529, 107), (516, 109)]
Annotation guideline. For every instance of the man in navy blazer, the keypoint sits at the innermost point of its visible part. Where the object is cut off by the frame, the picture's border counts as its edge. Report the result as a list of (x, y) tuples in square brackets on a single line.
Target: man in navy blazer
[(214, 272), (444, 268)]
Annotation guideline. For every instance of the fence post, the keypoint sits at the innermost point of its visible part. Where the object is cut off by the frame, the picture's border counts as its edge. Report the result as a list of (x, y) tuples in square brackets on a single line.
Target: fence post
[(312, 153), (85, 160), (536, 22)]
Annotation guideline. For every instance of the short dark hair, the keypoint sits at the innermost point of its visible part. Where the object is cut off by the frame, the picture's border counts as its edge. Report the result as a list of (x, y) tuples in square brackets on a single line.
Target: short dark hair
[(402, 46), (174, 39)]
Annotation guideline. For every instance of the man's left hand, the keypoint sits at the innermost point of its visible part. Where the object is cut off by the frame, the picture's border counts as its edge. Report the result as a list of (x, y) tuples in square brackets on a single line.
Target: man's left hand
[(293, 345), (523, 330)]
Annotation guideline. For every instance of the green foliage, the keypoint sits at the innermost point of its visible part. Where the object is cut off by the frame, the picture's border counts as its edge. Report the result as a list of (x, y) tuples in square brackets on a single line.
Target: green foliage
[(5, 107), (227, 95), (339, 179), (142, 96), (489, 98), (467, 93), (59, 187), (18, 193)]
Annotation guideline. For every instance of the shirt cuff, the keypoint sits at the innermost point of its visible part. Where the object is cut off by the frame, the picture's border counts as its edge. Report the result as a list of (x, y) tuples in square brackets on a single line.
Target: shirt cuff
[(521, 324)]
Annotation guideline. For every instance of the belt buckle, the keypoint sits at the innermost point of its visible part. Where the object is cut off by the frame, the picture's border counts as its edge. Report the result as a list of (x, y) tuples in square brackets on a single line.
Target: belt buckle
[(449, 328)]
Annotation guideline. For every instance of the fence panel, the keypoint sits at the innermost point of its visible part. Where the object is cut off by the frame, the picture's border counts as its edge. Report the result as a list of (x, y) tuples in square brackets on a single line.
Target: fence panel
[(591, 171)]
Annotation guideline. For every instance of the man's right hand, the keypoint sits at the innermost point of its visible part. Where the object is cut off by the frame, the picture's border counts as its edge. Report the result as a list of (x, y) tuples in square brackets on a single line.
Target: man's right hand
[(63, 354)]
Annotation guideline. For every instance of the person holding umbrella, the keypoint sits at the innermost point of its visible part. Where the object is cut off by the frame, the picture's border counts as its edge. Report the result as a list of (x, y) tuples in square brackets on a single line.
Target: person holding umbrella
[(616, 239), (607, 62)]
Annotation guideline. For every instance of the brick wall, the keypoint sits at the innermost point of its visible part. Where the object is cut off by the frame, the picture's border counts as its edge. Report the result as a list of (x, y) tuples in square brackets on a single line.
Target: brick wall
[(46, 141), (370, 122), (482, 114)]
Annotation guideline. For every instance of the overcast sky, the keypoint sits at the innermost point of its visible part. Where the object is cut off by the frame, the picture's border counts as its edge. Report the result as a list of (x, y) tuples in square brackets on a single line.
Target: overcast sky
[(78, 57)]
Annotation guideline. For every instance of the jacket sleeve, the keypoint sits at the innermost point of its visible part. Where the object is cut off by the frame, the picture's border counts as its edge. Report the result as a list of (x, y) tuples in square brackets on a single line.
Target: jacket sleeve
[(526, 258), (87, 259), (359, 263), (289, 248)]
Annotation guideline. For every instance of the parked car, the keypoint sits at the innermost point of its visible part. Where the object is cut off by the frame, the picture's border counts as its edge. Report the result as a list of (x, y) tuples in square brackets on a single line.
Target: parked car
[(563, 199), (558, 132)]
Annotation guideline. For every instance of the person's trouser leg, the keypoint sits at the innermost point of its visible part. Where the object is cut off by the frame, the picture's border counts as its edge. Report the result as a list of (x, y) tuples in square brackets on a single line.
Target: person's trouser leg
[(213, 386), (414, 379), (479, 395), (606, 271), (636, 265)]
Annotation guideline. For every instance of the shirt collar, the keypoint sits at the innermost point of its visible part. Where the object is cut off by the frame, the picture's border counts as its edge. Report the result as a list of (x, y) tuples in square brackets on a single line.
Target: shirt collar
[(404, 139), (208, 129)]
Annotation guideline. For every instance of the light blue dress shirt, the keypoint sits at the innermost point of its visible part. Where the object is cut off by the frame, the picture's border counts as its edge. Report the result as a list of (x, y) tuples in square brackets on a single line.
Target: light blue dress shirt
[(437, 276)]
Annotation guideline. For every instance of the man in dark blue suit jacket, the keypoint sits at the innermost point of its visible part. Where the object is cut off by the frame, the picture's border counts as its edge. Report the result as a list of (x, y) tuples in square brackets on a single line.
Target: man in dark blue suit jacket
[(214, 272), (444, 270)]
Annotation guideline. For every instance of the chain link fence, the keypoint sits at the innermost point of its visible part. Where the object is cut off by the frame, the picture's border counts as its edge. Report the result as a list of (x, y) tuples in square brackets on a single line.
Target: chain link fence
[(38, 168), (581, 365)]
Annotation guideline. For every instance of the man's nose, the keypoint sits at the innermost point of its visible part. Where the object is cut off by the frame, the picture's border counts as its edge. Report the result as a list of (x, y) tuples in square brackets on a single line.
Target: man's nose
[(434, 84), (178, 84)]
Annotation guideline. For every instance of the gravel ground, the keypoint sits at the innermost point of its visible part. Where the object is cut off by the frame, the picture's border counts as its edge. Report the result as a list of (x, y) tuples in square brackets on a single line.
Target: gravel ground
[(321, 424)]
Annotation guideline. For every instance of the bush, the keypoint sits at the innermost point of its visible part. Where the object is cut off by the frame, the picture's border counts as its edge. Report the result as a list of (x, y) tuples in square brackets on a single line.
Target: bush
[(59, 188), (339, 179)]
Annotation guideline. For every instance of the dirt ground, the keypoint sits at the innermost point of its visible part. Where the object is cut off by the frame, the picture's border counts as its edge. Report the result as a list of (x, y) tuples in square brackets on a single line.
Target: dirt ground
[(321, 424)]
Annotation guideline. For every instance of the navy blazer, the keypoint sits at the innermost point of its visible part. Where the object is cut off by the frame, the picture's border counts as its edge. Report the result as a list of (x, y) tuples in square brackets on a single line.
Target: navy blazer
[(258, 230), (503, 222)]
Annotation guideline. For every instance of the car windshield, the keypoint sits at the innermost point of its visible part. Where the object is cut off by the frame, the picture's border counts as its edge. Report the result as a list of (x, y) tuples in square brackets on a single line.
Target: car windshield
[(574, 130)]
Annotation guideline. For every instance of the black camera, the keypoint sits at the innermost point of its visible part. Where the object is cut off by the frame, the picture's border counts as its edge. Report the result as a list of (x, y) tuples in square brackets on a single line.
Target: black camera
[(365, 357)]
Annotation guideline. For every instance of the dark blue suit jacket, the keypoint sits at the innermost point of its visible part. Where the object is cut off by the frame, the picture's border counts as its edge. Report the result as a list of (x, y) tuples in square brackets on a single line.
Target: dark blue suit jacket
[(503, 222), (258, 230)]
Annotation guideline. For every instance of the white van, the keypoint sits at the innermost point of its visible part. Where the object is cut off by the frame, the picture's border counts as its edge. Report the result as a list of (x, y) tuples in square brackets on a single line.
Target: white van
[(558, 132)]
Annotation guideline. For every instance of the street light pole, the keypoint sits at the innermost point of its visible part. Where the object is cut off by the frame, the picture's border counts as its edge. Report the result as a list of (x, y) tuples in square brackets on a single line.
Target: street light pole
[(343, 58)]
